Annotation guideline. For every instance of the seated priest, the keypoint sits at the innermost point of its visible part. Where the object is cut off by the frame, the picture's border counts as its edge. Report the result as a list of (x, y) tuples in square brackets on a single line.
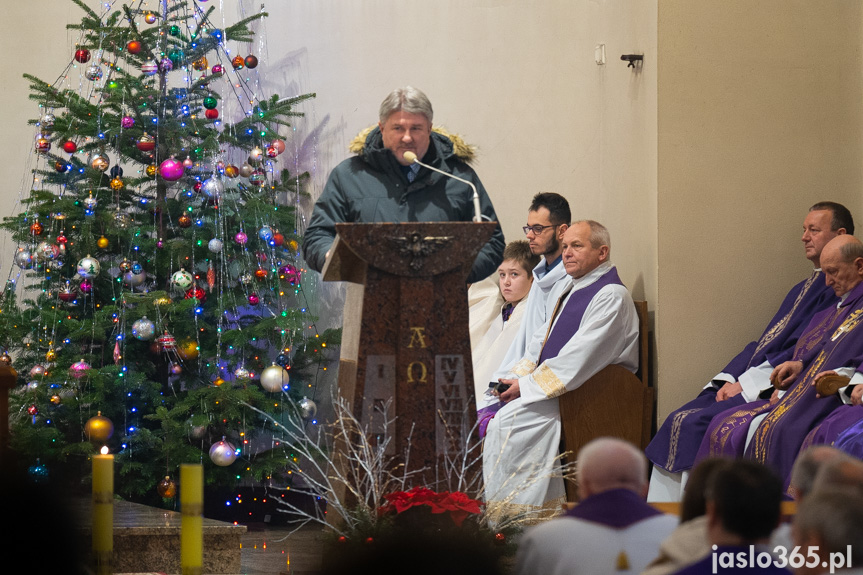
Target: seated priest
[(830, 341), (674, 447), (594, 324), (495, 319)]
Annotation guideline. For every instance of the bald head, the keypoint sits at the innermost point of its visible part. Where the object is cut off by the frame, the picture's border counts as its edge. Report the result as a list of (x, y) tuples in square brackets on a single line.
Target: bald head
[(842, 263), (609, 463)]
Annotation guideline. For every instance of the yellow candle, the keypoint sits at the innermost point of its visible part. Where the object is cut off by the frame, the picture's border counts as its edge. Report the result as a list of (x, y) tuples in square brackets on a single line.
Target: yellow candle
[(103, 511), (192, 525)]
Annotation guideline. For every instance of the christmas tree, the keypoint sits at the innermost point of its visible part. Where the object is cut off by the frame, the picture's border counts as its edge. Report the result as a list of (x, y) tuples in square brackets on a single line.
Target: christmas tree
[(157, 305)]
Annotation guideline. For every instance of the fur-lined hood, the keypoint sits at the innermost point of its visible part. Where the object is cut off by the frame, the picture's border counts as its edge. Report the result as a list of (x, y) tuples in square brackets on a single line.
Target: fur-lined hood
[(461, 149)]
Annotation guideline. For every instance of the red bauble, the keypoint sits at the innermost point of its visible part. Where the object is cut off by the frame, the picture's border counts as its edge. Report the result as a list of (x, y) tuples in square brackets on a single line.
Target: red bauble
[(82, 55), (278, 239), (211, 114), (33, 410), (36, 228), (196, 292), (69, 146), (133, 47), (261, 274)]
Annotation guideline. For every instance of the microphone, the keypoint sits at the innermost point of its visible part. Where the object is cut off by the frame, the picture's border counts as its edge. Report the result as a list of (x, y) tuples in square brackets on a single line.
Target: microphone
[(412, 158)]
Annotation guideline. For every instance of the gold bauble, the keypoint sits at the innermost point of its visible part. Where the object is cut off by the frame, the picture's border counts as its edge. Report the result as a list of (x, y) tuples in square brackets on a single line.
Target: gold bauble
[(188, 349), (167, 488), (99, 429), (151, 170), (102, 242), (116, 184), (50, 355)]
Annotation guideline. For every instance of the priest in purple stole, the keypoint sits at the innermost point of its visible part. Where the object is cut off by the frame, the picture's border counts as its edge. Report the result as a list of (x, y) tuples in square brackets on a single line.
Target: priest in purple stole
[(594, 324), (843, 428), (831, 341), (673, 449)]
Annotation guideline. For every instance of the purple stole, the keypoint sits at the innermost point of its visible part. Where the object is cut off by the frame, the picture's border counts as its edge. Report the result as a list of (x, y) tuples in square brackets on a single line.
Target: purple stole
[(778, 438), (839, 429), (677, 442), (615, 508), (569, 318)]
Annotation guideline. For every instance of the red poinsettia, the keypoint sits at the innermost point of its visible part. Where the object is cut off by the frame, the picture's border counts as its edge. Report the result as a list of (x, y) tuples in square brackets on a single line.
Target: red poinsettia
[(458, 504)]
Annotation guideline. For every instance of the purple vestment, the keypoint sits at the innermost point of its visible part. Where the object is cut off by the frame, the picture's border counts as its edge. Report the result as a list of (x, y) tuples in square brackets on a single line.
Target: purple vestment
[(676, 443), (569, 318), (838, 429), (615, 508)]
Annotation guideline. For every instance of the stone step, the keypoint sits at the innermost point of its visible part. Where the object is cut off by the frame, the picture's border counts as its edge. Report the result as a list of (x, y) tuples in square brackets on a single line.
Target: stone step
[(147, 539)]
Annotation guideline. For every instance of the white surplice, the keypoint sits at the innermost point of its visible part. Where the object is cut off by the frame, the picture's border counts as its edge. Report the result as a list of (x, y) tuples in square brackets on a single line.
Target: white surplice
[(522, 441)]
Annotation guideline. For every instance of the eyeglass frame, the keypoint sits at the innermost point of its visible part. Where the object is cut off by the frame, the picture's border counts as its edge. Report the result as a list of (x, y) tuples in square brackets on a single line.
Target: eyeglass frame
[(528, 229)]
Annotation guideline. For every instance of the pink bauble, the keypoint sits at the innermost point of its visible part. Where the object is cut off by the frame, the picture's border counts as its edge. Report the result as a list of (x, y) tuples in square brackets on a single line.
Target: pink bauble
[(79, 369), (279, 145), (241, 238), (127, 121), (171, 169), (217, 69), (86, 286), (254, 299)]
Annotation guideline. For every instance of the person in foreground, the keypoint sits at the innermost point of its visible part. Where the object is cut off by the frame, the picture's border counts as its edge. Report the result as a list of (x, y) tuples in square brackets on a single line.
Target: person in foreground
[(743, 504), (380, 185), (612, 530), (594, 324)]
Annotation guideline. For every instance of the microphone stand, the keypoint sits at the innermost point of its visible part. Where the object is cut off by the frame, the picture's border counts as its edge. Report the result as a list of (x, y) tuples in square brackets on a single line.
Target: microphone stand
[(412, 158)]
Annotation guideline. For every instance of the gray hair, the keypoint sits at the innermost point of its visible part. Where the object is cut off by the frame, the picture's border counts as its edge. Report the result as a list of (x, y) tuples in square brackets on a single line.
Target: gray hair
[(835, 515), (599, 235), (851, 250), (407, 99), (612, 463), (807, 466)]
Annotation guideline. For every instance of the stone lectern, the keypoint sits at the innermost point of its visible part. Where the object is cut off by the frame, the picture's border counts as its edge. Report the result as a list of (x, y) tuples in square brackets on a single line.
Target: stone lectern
[(406, 345)]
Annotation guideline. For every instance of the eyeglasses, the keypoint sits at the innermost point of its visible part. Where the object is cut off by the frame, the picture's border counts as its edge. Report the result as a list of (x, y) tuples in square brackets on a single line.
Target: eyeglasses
[(537, 229)]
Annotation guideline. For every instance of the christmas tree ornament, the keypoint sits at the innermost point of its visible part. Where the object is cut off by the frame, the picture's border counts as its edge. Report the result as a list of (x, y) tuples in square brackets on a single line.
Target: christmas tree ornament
[(171, 169), (210, 102), (293, 245), (102, 242), (166, 342), (261, 274), (50, 355), (184, 221), (272, 152), (211, 114), (121, 220), (279, 145), (33, 411), (23, 258), (213, 187), (165, 65), (218, 382), (36, 228), (133, 280), (196, 293), (167, 488), (215, 245), (133, 47), (146, 143), (143, 329), (149, 68), (174, 30), (246, 170), (242, 374), (93, 73), (37, 370), (150, 18), (86, 286), (82, 55), (79, 369), (55, 400), (46, 123), (69, 147), (46, 251), (90, 202), (256, 153), (238, 62), (182, 279), (176, 57), (274, 378), (117, 355), (211, 277), (188, 349), (188, 163), (116, 183), (278, 239), (265, 233), (241, 238), (223, 453), (125, 265), (200, 64), (67, 293), (232, 171), (88, 267), (43, 144), (127, 122), (99, 161), (217, 69), (175, 368), (258, 177), (308, 408), (282, 359), (246, 278), (5, 359), (254, 299), (290, 274), (115, 171), (251, 61), (60, 167), (99, 428), (38, 473)]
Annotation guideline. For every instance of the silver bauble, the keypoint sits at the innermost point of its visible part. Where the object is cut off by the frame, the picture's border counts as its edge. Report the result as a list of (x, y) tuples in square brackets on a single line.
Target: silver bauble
[(23, 258), (222, 453), (213, 187), (215, 245), (144, 329), (308, 408), (132, 279), (274, 378), (88, 267), (242, 374)]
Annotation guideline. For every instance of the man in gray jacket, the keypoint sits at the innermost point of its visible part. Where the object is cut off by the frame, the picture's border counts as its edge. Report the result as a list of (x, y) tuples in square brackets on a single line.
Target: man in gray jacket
[(379, 185)]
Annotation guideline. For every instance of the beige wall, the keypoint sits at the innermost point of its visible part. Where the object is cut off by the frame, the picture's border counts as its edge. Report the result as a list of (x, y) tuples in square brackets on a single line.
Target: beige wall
[(759, 117), (701, 163)]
